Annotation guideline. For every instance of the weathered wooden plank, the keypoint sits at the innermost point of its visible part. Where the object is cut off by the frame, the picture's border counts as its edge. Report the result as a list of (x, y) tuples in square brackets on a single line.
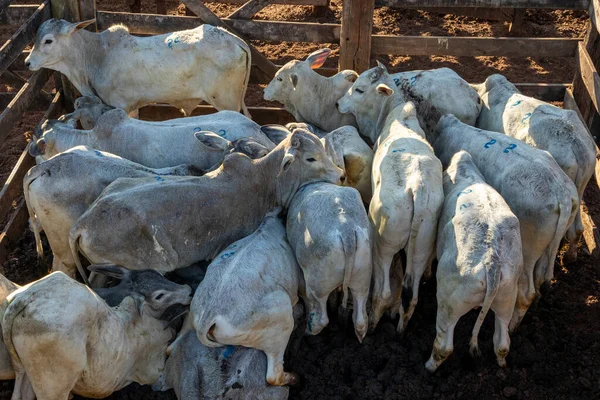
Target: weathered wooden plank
[(23, 36), (4, 4), (17, 14), (261, 115), (154, 24), (580, 92), (249, 9), (422, 4), (87, 11), (589, 75), (211, 18), (12, 231), (570, 104), (494, 14), (14, 184), (286, 2), (355, 41), (591, 235), (544, 91), (40, 103), (22, 101), (474, 46), (517, 19)]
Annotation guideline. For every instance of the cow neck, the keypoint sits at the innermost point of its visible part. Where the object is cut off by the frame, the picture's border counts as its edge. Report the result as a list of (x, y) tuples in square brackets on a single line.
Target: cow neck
[(391, 103), (282, 188), (79, 65)]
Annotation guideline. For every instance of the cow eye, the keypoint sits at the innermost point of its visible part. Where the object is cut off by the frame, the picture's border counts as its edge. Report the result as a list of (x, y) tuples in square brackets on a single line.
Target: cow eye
[(280, 79), (48, 41), (357, 90), (160, 296), (311, 159)]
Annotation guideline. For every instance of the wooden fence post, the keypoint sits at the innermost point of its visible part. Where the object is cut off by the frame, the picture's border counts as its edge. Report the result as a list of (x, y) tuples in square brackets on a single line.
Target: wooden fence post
[(72, 10), (355, 36), (580, 93)]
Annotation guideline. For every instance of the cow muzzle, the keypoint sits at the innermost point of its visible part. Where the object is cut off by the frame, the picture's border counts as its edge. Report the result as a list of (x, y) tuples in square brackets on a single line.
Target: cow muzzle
[(37, 148)]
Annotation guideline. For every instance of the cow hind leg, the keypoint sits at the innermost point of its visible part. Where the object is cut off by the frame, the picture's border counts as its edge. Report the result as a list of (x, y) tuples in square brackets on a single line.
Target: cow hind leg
[(503, 311), (317, 318), (382, 261), (525, 296), (573, 236)]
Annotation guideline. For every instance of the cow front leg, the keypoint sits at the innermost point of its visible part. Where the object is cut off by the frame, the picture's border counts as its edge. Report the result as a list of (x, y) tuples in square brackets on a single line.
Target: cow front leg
[(276, 376)]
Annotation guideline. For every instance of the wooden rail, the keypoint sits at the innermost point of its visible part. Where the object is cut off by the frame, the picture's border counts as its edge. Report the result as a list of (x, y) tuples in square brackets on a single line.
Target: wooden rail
[(553, 4), (40, 103), (17, 14), (589, 76)]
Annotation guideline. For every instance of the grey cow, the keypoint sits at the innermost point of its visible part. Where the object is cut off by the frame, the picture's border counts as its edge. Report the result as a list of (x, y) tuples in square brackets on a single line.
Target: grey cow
[(248, 294), (173, 222), (88, 110), (330, 232), (539, 193), (152, 144), (542, 125), (181, 68), (480, 259), (66, 339), (60, 190), (199, 372)]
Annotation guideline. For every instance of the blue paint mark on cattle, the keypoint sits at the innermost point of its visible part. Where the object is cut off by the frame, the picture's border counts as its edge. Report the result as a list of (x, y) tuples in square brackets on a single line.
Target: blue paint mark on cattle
[(197, 129), (398, 150), (310, 321), (517, 103), (159, 179), (526, 117), (99, 154), (509, 148), (465, 192), (227, 255), (488, 144), (222, 132), (397, 81), (170, 42), (464, 206), (413, 80), (228, 351)]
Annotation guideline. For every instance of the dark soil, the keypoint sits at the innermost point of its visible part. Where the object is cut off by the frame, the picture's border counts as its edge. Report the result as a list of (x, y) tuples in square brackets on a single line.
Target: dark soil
[(554, 354)]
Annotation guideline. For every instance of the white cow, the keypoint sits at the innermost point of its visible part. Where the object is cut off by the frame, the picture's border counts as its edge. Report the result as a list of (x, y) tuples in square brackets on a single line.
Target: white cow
[(344, 146), (480, 259), (247, 296), (125, 71), (65, 338), (309, 96), (88, 110), (312, 98), (152, 144), (539, 193), (330, 233), (407, 191), (542, 125)]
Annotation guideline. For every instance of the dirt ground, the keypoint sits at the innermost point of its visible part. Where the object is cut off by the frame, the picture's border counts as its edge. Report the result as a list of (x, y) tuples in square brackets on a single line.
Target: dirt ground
[(556, 351)]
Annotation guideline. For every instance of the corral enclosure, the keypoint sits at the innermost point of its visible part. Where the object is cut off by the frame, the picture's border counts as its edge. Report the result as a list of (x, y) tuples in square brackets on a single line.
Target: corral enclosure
[(548, 47)]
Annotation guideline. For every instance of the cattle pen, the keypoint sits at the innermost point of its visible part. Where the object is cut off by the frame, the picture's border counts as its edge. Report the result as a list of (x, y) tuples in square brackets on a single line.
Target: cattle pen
[(357, 47)]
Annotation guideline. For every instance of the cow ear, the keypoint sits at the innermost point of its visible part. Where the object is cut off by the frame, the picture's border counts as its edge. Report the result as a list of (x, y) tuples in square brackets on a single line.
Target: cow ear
[(112, 270), (212, 140), (75, 26), (350, 76), (287, 160), (37, 148), (317, 58), (384, 89), (294, 79), (276, 133), (253, 149)]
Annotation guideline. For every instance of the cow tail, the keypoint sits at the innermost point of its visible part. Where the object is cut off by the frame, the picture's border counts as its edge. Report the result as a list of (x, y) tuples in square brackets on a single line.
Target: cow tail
[(349, 245), (31, 176), (493, 275), (74, 236), (562, 224)]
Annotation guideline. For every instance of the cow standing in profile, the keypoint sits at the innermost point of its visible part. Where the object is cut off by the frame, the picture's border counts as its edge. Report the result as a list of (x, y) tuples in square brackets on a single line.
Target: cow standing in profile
[(180, 68)]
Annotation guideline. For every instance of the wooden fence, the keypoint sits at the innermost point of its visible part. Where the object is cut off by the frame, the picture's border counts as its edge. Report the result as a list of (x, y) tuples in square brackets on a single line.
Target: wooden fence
[(354, 35)]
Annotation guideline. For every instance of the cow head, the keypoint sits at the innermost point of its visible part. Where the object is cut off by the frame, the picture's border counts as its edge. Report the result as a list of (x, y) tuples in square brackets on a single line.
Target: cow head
[(53, 40), (287, 79), (151, 291)]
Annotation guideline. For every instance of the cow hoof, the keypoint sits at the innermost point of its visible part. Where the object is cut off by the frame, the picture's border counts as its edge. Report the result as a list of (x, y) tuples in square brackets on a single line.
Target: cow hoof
[(292, 379)]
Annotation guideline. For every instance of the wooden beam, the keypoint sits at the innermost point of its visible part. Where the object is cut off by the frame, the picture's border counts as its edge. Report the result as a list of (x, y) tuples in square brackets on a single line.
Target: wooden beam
[(17, 14), (211, 18), (22, 101), (4, 6), (591, 235), (153, 24), (23, 36), (423, 4), (544, 91), (493, 14), (517, 19), (285, 2), (570, 104), (12, 231), (474, 46), (40, 103), (589, 75), (14, 184), (19, 63), (580, 91), (261, 115), (355, 40), (249, 9)]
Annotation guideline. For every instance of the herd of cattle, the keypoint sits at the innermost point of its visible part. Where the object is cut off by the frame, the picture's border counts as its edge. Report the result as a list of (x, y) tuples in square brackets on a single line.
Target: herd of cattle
[(480, 177)]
